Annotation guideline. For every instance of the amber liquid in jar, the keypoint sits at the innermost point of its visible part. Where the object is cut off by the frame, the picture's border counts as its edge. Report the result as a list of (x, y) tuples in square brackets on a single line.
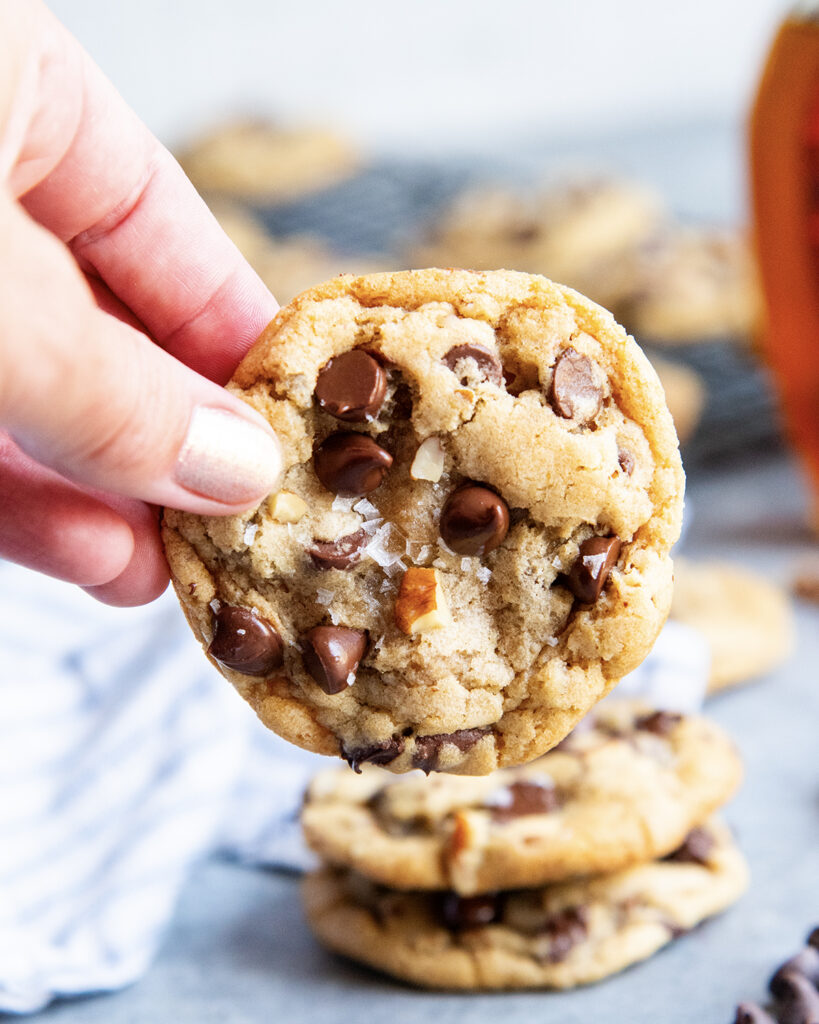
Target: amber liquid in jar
[(784, 161)]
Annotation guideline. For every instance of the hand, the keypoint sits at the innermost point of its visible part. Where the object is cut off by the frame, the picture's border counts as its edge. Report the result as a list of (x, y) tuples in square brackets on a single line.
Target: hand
[(123, 308)]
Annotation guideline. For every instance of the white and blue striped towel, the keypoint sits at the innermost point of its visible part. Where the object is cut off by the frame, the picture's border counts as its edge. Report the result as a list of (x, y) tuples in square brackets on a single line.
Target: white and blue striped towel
[(124, 757)]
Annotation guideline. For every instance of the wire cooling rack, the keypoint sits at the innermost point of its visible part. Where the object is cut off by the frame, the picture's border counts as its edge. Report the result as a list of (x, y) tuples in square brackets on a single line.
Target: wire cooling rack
[(385, 207)]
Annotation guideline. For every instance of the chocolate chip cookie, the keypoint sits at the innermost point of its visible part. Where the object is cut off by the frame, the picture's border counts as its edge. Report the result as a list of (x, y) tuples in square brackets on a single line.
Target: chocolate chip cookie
[(625, 787), (470, 543), (746, 619), (559, 936)]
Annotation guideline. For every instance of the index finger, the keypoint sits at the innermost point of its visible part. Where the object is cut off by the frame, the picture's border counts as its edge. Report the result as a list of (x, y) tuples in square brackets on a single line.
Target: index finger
[(95, 176)]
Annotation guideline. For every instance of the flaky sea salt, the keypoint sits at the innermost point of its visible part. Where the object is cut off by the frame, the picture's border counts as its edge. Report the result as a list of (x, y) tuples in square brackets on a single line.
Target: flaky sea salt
[(366, 508), (370, 526), (341, 504), (325, 597), (382, 546), (250, 533), (215, 605), (484, 574), (551, 641), (466, 564)]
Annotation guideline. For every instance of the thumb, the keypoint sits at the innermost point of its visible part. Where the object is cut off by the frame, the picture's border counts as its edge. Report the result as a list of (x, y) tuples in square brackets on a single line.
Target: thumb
[(97, 400)]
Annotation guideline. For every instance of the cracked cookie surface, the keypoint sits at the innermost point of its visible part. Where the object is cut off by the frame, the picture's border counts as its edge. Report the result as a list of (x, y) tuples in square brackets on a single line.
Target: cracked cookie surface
[(558, 936), (470, 544), (625, 787)]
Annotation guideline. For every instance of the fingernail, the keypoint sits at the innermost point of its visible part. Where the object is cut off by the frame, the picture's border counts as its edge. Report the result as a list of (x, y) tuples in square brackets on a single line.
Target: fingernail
[(227, 458)]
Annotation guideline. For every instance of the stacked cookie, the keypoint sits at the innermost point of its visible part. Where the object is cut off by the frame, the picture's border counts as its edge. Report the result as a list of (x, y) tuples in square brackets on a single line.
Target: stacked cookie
[(554, 874)]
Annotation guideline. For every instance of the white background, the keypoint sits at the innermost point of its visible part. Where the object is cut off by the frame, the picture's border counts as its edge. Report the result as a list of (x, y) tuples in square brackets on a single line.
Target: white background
[(430, 77)]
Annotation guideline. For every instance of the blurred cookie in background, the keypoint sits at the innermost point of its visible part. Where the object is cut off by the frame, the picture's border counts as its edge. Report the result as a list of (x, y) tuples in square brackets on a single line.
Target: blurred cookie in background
[(684, 392), (265, 162), (581, 234), (288, 265), (693, 284), (746, 619)]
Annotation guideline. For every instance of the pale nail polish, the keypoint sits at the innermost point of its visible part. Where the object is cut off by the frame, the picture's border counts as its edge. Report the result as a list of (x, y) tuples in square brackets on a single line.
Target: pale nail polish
[(227, 458)]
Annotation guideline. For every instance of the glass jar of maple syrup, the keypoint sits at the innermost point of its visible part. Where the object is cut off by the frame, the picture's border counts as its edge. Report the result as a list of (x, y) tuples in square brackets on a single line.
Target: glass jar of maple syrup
[(784, 170)]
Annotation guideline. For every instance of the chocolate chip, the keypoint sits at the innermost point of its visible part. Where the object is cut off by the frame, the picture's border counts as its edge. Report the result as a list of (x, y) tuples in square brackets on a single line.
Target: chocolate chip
[(352, 387), (331, 655), (343, 553), (626, 462), (376, 753), (797, 999), (564, 930), (806, 963), (474, 520), (592, 566), (487, 363), (521, 798), (575, 393), (695, 849), (459, 912), (661, 723), (244, 642), (751, 1013), (351, 464), (427, 751)]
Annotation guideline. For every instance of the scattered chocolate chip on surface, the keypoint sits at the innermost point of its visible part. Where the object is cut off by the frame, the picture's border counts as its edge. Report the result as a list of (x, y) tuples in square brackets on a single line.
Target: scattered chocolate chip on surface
[(244, 642), (751, 1013), (576, 395), (486, 363), (350, 464), (806, 963), (352, 387), (474, 520), (343, 553), (331, 655), (591, 569)]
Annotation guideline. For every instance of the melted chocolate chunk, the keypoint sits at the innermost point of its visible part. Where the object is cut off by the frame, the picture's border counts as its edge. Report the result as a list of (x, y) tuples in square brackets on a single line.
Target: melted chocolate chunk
[(564, 931), (592, 566), (343, 553), (487, 363), (575, 393), (459, 912), (797, 999), (751, 1013), (806, 963), (376, 753), (331, 655), (695, 849), (474, 520), (427, 751), (244, 642), (351, 464), (661, 723), (522, 798), (352, 387)]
